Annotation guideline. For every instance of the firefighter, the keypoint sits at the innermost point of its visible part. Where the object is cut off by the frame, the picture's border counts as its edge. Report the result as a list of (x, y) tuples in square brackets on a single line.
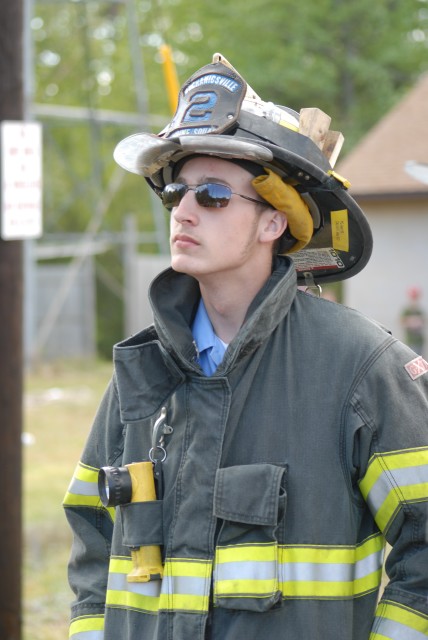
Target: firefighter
[(287, 434)]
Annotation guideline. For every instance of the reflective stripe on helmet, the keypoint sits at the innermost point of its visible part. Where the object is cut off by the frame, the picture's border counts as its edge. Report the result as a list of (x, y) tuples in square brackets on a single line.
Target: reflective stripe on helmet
[(393, 479)]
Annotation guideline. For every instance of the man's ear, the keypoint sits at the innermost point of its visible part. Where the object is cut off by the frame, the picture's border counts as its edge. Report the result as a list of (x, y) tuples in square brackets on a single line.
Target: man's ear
[(274, 225)]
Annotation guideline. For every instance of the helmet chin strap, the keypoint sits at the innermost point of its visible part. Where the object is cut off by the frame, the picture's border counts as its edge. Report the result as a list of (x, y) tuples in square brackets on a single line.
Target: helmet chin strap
[(311, 286)]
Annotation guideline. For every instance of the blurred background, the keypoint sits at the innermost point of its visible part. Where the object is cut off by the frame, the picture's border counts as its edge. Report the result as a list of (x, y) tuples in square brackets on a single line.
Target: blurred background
[(91, 72), (98, 71)]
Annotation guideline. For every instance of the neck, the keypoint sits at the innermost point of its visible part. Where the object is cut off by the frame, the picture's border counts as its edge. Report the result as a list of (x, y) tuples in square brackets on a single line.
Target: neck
[(227, 302)]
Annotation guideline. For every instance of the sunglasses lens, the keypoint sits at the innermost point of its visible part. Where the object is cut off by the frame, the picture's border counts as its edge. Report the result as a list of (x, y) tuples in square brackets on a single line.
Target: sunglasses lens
[(172, 194), (210, 194), (213, 195)]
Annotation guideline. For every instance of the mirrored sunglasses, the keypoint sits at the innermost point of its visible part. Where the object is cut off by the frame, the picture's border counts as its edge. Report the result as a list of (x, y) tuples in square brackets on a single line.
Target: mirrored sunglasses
[(209, 194)]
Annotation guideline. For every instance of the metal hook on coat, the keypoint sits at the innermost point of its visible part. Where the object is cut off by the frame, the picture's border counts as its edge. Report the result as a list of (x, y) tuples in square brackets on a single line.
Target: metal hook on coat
[(160, 430)]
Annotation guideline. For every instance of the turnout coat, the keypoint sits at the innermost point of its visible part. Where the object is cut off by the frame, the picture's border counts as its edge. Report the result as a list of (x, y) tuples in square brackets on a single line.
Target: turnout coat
[(284, 474)]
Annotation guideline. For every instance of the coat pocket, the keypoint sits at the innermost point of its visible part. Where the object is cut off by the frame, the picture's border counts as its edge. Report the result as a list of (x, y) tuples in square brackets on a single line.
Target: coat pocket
[(142, 524), (250, 501)]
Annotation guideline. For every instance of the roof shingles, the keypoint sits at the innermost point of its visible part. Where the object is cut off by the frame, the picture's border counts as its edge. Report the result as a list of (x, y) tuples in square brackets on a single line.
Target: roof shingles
[(376, 165)]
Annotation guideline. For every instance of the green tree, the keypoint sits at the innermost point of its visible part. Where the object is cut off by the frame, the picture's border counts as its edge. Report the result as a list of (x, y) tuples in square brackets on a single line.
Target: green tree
[(353, 60)]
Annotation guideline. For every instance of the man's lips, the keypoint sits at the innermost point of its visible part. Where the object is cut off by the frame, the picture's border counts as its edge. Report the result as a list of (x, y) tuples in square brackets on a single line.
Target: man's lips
[(183, 240)]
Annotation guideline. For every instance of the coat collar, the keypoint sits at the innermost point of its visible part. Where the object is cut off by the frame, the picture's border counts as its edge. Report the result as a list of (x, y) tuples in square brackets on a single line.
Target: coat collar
[(152, 364), (175, 297)]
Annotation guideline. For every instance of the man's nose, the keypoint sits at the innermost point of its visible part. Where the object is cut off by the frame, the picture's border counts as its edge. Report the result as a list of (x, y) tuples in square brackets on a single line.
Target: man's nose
[(187, 209)]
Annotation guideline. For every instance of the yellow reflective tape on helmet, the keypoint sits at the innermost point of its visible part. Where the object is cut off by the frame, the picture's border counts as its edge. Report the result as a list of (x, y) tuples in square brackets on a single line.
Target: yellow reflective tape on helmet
[(339, 230), (394, 620), (392, 479), (87, 628), (83, 489), (340, 178)]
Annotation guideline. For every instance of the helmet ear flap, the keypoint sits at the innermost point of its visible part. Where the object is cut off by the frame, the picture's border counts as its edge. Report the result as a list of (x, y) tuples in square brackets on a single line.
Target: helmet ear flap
[(285, 198)]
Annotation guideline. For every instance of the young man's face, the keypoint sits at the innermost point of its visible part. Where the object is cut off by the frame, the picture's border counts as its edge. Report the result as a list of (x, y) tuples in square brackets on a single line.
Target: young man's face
[(209, 241)]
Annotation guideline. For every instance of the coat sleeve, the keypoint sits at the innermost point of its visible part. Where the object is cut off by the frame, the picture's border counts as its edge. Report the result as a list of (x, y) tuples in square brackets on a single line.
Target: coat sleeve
[(392, 401), (91, 523)]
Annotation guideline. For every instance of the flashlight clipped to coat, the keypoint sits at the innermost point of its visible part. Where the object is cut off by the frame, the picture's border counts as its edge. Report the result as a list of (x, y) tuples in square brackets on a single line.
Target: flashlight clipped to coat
[(135, 483)]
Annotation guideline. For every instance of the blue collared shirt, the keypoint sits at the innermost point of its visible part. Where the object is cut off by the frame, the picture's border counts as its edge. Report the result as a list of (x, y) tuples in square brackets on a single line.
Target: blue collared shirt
[(211, 348)]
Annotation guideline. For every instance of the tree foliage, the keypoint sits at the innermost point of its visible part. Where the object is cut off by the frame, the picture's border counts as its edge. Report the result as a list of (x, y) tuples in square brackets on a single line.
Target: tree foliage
[(353, 60)]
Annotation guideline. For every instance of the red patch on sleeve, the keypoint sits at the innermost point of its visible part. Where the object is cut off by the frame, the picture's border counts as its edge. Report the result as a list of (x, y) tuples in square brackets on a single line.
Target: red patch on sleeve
[(417, 367)]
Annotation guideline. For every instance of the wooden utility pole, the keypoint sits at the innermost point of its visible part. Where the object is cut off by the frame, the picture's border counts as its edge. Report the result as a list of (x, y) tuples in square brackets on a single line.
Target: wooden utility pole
[(11, 351)]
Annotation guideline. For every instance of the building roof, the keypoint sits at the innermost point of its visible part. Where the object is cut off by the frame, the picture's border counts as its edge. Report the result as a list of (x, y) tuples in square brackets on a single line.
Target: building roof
[(376, 165)]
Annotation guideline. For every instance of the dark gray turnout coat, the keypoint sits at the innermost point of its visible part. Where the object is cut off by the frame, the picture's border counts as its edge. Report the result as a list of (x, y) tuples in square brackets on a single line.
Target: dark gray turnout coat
[(285, 472)]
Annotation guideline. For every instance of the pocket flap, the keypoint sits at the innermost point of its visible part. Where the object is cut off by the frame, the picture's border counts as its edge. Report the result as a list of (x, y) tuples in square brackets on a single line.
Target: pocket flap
[(142, 523), (249, 493)]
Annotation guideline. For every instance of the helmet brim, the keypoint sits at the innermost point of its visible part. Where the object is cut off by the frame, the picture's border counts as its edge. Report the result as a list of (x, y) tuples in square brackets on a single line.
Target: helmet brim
[(342, 242)]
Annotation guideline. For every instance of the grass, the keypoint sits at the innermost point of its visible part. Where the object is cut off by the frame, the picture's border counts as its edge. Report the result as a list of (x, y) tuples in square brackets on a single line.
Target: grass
[(59, 405)]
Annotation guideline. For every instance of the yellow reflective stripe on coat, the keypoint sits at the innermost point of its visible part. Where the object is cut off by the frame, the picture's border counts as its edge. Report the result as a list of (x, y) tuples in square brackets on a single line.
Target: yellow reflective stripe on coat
[(299, 571), (83, 489), (393, 479), (331, 572), (87, 628), (185, 587), (248, 570), (140, 596), (395, 622)]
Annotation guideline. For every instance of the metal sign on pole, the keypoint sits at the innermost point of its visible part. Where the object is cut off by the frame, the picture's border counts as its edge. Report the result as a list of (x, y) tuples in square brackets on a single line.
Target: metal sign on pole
[(21, 180)]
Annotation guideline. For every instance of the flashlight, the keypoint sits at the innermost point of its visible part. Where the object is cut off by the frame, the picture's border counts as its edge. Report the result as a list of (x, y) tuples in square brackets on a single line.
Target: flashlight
[(133, 483)]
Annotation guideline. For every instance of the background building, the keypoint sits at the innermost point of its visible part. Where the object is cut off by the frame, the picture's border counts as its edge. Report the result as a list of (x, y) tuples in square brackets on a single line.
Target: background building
[(396, 205)]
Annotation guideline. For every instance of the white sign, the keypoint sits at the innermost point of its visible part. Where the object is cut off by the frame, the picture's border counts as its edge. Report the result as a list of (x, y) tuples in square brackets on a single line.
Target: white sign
[(21, 180)]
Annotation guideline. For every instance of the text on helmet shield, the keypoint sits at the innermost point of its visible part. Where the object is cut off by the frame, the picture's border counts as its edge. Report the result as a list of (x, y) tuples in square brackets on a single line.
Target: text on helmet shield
[(209, 103)]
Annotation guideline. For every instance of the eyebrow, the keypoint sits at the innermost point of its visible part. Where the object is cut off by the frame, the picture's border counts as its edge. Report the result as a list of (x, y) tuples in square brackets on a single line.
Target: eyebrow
[(204, 179)]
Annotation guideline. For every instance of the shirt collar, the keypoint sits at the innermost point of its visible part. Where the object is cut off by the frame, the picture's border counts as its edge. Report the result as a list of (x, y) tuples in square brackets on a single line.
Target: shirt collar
[(202, 329)]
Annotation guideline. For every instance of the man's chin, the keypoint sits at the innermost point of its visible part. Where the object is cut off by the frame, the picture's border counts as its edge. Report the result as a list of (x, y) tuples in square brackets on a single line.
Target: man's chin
[(180, 265)]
